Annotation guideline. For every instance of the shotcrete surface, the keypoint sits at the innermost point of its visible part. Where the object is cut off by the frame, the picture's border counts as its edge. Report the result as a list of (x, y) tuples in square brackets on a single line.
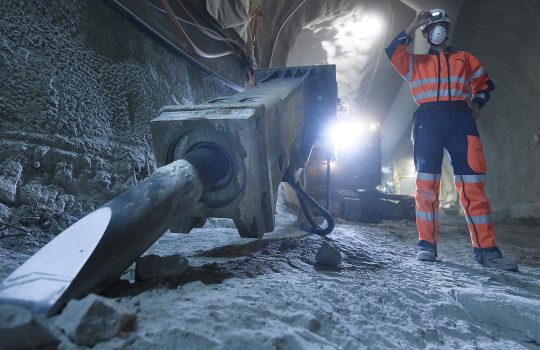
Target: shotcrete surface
[(505, 40), (80, 84)]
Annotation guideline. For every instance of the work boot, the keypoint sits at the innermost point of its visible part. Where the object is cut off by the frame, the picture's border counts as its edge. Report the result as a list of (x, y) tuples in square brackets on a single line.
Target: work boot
[(426, 254), (493, 258)]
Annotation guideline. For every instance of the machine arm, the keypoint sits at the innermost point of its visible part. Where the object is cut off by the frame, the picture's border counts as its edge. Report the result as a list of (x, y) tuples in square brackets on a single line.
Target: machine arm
[(224, 158)]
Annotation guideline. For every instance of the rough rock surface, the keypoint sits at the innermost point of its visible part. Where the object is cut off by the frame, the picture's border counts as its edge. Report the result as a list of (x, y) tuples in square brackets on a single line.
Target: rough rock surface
[(10, 174), (380, 298), (80, 83), (328, 255), (94, 319), (5, 212), (19, 330), (266, 293), (152, 266), (500, 310)]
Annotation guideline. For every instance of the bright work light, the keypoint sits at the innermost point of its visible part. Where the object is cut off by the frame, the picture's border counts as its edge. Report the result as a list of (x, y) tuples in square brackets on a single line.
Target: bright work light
[(346, 134)]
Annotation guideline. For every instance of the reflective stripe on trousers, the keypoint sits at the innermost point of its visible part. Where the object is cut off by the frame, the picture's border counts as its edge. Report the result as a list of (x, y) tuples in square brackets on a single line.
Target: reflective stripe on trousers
[(453, 130), (477, 209), (427, 206)]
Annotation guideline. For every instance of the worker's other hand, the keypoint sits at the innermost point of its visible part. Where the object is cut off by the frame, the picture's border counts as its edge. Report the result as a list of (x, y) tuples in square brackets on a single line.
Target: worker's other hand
[(475, 110), (421, 18)]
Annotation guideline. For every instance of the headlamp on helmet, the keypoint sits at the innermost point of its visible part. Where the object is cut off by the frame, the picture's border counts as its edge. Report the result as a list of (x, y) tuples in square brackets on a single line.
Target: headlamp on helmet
[(436, 16)]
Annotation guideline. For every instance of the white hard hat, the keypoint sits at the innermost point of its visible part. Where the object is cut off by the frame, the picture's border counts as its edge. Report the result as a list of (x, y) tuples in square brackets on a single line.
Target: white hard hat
[(437, 15)]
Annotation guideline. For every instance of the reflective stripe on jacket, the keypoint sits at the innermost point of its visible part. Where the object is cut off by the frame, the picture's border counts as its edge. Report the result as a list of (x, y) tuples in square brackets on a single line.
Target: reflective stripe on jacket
[(440, 76)]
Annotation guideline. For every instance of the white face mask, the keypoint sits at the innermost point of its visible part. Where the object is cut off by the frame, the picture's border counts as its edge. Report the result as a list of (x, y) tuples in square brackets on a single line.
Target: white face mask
[(437, 35)]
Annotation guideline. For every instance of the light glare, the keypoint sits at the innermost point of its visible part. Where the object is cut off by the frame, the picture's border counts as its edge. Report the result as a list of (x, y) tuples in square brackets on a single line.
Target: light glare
[(412, 167), (369, 26), (345, 135)]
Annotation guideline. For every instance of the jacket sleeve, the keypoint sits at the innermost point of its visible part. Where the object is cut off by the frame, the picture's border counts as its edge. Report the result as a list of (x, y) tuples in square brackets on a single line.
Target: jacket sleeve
[(399, 57), (480, 83)]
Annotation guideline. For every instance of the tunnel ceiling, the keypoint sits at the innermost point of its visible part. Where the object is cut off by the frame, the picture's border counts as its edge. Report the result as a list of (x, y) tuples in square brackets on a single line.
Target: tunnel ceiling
[(354, 41), (338, 32), (503, 38)]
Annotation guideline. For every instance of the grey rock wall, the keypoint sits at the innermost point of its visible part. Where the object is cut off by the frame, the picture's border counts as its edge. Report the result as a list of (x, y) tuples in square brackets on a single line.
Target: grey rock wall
[(79, 84)]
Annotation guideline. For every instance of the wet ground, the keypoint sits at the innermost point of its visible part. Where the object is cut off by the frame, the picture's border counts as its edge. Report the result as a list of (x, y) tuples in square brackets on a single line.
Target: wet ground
[(270, 294)]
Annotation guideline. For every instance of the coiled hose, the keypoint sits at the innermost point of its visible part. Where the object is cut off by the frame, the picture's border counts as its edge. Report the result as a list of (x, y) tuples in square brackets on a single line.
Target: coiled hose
[(304, 198)]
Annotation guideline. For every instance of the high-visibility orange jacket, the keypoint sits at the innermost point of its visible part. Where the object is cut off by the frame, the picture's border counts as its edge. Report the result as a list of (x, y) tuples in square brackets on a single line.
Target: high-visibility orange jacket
[(440, 76)]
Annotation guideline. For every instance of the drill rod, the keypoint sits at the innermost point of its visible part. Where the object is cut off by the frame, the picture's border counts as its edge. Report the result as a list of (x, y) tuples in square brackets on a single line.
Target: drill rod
[(97, 249)]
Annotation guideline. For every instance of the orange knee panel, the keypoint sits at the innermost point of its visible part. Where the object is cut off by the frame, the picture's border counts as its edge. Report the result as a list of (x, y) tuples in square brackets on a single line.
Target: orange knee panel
[(427, 195), (473, 198), (477, 210), (427, 208), (428, 230), (486, 235)]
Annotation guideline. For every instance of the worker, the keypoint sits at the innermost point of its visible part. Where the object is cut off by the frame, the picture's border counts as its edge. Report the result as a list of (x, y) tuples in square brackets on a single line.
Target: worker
[(450, 87)]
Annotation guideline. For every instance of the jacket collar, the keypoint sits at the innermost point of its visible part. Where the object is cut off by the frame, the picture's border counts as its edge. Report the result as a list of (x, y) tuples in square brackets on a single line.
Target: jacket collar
[(448, 49)]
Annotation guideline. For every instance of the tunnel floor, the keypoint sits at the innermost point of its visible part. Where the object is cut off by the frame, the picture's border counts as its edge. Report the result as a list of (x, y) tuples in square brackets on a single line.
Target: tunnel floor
[(270, 294)]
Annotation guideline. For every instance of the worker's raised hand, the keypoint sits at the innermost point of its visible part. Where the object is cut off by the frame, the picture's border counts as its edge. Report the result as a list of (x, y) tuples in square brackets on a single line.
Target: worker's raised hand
[(421, 18)]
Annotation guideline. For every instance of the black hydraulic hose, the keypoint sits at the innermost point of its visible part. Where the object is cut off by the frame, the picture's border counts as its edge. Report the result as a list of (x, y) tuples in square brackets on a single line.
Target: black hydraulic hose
[(178, 50), (304, 197), (328, 183)]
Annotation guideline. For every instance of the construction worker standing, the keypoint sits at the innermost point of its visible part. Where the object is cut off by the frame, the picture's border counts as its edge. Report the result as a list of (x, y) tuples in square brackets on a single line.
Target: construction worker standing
[(450, 87)]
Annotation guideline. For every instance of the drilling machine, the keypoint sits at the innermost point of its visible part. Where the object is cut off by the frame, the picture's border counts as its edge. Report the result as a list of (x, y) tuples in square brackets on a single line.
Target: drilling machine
[(345, 167), (225, 158)]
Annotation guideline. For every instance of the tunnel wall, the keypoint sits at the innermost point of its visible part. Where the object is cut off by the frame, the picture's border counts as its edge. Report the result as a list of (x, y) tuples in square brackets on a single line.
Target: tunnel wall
[(80, 83), (504, 35)]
